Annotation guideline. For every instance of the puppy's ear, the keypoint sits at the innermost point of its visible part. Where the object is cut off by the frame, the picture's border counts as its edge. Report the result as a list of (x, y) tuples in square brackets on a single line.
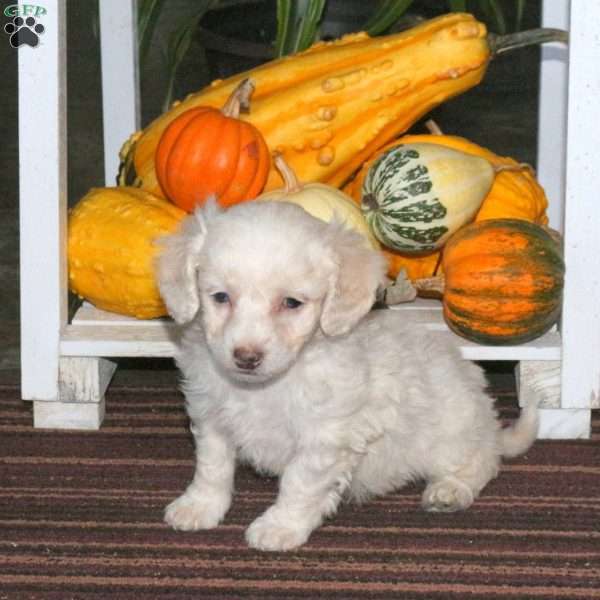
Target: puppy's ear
[(356, 274), (177, 264)]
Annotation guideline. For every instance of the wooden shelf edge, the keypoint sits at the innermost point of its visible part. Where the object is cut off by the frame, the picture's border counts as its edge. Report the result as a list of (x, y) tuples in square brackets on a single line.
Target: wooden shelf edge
[(159, 340), (119, 341)]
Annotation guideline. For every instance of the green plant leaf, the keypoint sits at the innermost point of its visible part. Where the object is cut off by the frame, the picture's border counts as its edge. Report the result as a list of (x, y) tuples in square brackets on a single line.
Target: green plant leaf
[(457, 5), (297, 24), (494, 13), (520, 10), (388, 12), (284, 26), (309, 24), (148, 14), (178, 45)]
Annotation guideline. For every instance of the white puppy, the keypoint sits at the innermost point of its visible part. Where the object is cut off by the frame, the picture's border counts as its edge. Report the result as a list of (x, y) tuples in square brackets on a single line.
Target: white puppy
[(286, 368)]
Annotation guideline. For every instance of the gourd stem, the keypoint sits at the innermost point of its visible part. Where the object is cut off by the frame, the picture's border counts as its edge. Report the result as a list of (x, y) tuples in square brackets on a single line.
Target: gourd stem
[(433, 127), (438, 263), (430, 287), (126, 155), (504, 43), (239, 100), (289, 177), (368, 202), (517, 167)]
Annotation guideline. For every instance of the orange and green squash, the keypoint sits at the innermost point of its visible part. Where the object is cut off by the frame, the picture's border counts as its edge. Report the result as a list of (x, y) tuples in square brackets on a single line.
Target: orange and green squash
[(502, 283)]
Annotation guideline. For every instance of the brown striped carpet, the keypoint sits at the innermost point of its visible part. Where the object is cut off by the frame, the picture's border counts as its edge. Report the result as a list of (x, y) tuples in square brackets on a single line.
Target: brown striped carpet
[(81, 517)]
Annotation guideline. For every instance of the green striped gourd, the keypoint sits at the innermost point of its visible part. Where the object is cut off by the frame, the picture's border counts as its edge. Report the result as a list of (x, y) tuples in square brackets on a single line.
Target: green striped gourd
[(415, 196)]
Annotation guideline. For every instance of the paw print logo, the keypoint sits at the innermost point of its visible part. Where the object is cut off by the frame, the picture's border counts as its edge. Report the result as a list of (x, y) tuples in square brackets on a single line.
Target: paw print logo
[(24, 31)]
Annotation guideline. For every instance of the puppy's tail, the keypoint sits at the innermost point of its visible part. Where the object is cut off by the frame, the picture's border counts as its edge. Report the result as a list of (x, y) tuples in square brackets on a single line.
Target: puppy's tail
[(517, 438)]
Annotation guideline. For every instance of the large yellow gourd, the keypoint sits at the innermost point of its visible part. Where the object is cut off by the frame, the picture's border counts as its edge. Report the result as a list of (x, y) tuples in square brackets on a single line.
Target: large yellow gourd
[(515, 194), (111, 249), (327, 109)]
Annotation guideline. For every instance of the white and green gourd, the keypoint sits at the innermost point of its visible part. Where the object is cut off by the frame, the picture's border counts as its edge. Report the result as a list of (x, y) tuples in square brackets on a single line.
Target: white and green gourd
[(415, 196)]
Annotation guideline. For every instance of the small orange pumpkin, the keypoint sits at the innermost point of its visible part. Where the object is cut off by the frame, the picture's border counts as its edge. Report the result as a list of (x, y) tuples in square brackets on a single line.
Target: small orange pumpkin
[(502, 282), (207, 151)]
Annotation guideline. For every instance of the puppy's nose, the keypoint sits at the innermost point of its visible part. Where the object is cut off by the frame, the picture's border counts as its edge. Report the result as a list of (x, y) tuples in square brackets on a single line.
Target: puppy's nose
[(247, 358)]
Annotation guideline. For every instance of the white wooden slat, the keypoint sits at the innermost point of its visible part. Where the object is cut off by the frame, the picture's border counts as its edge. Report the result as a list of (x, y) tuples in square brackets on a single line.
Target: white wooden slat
[(552, 113), (120, 79), (118, 341), (564, 424), (429, 313), (149, 340), (68, 415), (546, 347), (94, 332), (581, 309), (427, 304), (89, 315), (85, 379), (43, 203), (543, 377)]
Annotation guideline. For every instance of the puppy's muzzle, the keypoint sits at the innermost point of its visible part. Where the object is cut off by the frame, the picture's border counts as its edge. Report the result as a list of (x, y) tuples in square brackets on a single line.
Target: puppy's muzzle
[(247, 358)]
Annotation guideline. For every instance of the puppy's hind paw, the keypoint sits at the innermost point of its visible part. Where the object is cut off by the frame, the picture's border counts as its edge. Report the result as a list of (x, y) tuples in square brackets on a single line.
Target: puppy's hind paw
[(191, 512), (447, 495), (265, 534)]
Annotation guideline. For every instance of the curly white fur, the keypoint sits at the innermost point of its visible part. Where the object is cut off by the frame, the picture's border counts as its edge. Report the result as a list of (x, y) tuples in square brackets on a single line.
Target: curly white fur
[(286, 367)]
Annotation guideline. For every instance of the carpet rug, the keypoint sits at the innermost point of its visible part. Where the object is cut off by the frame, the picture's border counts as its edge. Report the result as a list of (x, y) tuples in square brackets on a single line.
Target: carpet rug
[(81, 518)]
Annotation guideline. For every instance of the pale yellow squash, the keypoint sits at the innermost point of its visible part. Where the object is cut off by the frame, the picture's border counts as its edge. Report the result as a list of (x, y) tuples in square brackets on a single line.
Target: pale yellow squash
[(320, 200)]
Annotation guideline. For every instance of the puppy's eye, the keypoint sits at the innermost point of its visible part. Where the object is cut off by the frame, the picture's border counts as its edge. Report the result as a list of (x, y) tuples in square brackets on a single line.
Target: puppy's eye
[(220, 297), (291, 303)]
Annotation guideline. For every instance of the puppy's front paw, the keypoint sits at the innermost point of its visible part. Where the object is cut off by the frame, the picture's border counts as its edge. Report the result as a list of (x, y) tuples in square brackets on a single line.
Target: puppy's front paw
[(191, 512), (267, 534), (447, 495)]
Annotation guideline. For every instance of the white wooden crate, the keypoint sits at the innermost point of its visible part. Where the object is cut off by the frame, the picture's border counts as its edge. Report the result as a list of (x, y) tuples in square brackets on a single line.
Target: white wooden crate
[(65, 366)]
